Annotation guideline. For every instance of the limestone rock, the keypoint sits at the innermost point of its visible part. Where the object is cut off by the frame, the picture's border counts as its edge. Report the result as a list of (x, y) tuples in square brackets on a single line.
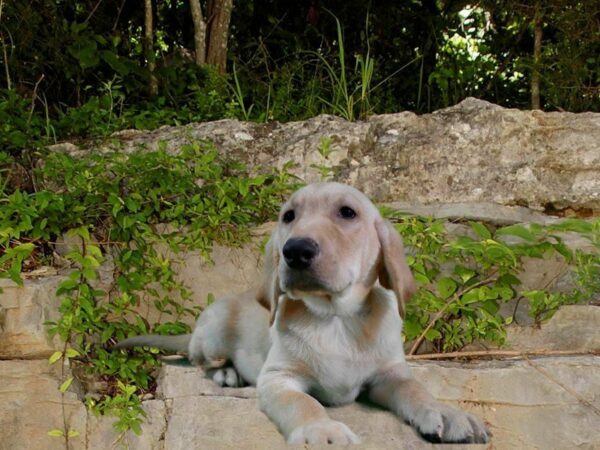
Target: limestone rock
[(23, 311), (31, 406), (219, 423), (527, 404), (471, 152), (178, 382), (101, 434), (523, 402), (573, 327), (492, 213)]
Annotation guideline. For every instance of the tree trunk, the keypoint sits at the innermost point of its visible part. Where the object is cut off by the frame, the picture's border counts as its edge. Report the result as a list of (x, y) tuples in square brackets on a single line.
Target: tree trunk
[(537, 56), (219, 13), (149, 47), (199, 31)]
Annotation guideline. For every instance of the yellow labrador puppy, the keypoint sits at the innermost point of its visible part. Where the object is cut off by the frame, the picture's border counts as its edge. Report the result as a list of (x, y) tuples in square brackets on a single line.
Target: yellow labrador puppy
[(325, 325)]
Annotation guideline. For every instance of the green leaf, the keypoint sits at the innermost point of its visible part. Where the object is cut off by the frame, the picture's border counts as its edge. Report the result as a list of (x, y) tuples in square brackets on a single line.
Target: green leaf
[(94, 250), (517, 230), (56, 433), (23, 250), (471, 296), (113, 60), (432, 334), (82, 232), (71, 353), (481, 230), (54, 357), (135, 427), (464, 273), (73, 433), (421, 278), (411, 328), (66, 384), (576, 225), (446, 287)]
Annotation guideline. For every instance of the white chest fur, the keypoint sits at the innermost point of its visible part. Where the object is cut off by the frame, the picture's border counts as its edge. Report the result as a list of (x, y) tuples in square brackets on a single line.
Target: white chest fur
[(338, 354)]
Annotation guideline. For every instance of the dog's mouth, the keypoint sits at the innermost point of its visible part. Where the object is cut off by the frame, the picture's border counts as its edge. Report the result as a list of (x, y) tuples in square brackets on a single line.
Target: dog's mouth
[(297, 284), (303, 282)]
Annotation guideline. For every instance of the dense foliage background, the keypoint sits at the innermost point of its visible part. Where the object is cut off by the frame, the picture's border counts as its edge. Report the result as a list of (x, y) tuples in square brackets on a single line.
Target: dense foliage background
[(89, 67)]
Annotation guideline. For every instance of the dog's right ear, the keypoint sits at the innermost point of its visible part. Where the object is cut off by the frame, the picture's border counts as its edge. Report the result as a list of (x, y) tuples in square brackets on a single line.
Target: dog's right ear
[(269, 291)]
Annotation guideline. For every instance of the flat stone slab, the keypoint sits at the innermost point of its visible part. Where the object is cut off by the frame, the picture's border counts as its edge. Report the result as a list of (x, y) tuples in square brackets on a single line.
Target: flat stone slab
[(31, 405), (23, 311), (522, 402), (543, 403), (573, 327)]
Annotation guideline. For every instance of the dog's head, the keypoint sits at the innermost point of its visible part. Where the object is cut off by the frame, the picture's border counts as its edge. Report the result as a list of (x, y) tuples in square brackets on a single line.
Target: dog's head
[(331, 244)]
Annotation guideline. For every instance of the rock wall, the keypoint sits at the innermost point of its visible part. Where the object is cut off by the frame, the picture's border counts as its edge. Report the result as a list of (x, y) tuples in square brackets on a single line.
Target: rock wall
[(472, 152)]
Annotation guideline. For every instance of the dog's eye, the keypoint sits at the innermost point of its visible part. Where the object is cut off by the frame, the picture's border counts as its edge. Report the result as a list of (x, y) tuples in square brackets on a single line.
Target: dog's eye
[(347, 213), (289, 216)]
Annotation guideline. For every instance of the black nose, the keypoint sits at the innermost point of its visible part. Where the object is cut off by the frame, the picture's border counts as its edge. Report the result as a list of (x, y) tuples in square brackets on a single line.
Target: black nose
[(299, 253)]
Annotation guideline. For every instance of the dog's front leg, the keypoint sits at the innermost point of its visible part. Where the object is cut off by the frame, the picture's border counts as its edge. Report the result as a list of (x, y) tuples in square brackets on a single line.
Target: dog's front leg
[(300, 417), (396, 390)]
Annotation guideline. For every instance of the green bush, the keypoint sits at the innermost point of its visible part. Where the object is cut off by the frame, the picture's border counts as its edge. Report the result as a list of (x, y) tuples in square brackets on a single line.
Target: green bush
[(117, 205), (464, 280)]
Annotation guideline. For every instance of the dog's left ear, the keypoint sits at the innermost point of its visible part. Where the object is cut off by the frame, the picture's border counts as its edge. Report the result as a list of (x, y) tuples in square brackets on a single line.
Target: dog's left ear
[(394, 272), (268, 292)]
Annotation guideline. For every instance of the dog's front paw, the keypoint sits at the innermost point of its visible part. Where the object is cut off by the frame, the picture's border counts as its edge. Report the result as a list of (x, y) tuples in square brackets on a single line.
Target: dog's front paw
[(442, 423), (325, 431)]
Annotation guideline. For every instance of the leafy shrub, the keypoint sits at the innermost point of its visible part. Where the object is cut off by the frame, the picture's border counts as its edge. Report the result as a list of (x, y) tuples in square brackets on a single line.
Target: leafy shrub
[(19, 127), (465, 279), (119, 206)]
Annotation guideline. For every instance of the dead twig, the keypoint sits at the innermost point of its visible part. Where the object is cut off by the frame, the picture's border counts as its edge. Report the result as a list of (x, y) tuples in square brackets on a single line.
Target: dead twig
[(500, 354), (33, 99)]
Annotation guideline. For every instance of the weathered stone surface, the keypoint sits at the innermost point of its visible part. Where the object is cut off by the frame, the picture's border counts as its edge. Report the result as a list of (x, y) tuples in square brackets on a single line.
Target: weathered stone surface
[(492, 213), (30, 406), (176, 381), (232, 269), (101, 434), (23, 311), (472, 152), (573, 327), (522, 402), (523, 407), (198, 423)]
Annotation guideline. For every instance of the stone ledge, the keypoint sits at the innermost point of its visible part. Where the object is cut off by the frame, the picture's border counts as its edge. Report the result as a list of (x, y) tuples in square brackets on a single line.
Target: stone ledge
[(523, 408), (518, 402)]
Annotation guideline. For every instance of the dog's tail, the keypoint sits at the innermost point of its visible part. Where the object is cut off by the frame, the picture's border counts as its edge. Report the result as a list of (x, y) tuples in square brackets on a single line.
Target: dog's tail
[(177, 343)]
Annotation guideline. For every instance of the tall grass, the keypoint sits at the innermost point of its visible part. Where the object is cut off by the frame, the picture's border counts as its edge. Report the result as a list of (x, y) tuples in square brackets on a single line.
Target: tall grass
[(321, 84), (349, 102)]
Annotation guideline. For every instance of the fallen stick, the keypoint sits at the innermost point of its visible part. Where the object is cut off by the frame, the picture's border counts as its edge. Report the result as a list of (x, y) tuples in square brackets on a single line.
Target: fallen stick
[(500, 354)]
